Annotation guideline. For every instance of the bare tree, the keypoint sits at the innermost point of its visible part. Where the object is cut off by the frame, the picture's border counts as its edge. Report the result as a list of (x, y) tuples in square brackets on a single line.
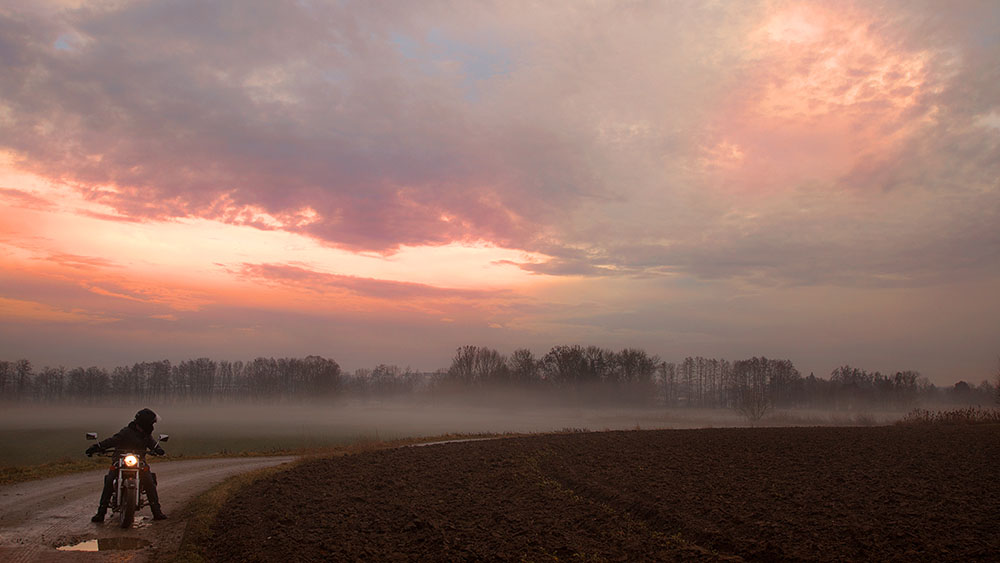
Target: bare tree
[(752, 397), (463, 365), (6, 380), (523, 367), (491, 367), (23, 377), (563, 365), (598, 364), (996, 395), (49, 384), (668, 378)]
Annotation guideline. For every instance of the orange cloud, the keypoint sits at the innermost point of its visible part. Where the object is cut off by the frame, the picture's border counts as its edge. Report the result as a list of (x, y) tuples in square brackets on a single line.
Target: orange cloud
[(21, 311), (298, 288)]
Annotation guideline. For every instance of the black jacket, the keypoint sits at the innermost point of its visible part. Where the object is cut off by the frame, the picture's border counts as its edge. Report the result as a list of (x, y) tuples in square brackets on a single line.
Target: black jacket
[(131, 438)]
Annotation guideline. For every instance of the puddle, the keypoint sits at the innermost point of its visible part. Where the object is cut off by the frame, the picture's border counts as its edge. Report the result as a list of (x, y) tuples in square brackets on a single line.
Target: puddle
[(106, 544)]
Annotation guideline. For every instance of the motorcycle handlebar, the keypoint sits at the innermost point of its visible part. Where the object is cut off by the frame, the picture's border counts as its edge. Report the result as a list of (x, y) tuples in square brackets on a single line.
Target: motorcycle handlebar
[(110, 452)]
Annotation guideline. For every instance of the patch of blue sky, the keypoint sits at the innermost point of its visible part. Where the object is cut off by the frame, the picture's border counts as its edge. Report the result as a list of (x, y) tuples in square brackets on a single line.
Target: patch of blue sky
[(477, 62), (406, 45), (66, 42)]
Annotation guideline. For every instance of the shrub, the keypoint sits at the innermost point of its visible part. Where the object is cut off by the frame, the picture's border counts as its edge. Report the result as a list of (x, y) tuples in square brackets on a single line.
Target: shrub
[(970, 415)]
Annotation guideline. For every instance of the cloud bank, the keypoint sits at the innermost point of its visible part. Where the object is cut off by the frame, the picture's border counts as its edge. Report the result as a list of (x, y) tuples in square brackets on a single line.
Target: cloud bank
[(797, 142), (733, 147)]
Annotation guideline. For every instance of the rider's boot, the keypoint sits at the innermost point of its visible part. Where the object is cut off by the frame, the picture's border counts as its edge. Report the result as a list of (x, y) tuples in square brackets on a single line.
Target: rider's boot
[(102, 507), (149, 485), (157, 513)]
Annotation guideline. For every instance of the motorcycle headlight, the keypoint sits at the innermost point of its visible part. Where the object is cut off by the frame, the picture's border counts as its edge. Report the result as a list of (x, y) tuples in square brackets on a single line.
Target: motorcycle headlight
[(131, 460)]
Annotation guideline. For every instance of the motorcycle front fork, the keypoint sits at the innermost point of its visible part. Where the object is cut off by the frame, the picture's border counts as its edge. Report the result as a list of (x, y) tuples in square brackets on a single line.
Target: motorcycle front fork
[(121, 482)]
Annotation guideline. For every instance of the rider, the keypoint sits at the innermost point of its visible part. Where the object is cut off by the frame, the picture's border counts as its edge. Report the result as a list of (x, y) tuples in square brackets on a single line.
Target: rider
[(137, 436)]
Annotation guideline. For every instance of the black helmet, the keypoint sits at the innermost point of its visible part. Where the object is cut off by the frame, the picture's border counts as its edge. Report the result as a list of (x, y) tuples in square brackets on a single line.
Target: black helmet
[(145, 419)]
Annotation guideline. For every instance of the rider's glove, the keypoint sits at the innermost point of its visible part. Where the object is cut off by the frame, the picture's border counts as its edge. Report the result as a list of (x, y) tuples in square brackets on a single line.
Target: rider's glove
[(159, 451), (93, 450)]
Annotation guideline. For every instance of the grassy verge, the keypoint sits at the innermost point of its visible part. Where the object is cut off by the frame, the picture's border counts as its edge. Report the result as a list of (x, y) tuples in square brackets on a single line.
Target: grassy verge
[(17, 474), (200, 514)]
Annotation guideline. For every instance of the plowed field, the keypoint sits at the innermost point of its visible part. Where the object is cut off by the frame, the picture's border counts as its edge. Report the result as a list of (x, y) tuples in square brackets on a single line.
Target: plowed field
[(831, 494)]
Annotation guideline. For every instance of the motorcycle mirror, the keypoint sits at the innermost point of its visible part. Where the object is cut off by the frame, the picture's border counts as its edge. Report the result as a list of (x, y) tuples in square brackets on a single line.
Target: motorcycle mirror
[(164, 437), (91, 435)]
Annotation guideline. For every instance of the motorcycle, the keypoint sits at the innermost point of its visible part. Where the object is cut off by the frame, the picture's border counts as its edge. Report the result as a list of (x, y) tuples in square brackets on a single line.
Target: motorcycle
[(127, 496)]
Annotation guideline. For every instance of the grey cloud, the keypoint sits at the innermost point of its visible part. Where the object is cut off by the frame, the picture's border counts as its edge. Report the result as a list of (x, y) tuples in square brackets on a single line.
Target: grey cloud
[(284, 105), (585, 147)]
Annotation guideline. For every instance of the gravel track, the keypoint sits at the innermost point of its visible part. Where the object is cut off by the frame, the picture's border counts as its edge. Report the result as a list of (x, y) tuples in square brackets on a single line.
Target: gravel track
[(38, 516)]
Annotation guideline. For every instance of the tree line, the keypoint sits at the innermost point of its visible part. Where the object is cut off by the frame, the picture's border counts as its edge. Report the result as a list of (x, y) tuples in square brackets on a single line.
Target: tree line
[(590, 373), (199, 380), (752, 384)]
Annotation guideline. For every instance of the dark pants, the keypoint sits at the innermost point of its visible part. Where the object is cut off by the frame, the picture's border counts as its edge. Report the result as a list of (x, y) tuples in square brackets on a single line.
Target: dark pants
[(145, 481)]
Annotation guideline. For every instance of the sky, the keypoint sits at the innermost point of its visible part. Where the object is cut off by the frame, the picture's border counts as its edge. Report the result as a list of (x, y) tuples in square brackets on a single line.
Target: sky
[(382, 182)]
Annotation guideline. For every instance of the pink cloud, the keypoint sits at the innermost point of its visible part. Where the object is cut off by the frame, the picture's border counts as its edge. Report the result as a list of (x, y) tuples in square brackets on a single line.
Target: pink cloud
[(21, 198), (303, 278), (79, 262)]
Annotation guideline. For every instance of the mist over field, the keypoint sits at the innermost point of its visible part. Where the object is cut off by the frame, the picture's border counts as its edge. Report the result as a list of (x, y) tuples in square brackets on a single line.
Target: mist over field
[(38, 434), (268, 405)]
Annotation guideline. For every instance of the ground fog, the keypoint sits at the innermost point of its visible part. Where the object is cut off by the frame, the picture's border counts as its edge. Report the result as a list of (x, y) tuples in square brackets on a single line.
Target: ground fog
[(34, 434)]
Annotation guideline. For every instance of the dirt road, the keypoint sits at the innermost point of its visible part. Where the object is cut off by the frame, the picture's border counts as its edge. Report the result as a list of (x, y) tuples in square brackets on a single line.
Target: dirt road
[(38, 516)]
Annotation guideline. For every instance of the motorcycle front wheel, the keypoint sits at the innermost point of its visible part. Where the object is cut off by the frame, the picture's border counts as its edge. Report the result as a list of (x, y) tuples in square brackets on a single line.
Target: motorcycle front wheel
[(129, 500)]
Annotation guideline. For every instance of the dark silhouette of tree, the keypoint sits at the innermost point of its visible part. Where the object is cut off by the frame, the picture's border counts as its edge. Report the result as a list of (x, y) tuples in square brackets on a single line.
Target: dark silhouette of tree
[(491, 368), (752, 397), (91, 384), (962, 392), (634, 366), (668, 381), (130, 382), (199, 377), (904, 388), (157, 376), (598, 366), (686, 391), (996, 384), (463, 365), (523, 367), (358, 382), (322, 376), (23, 374), (49, 384), (590, 373), (7, 380), (229, 379), (784, 383), (563, 365), (385, 379)]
